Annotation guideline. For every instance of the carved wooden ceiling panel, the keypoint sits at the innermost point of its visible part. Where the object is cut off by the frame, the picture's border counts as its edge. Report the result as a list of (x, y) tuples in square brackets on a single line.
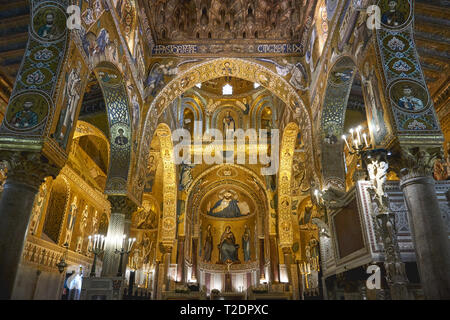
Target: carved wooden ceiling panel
[(227, 19)]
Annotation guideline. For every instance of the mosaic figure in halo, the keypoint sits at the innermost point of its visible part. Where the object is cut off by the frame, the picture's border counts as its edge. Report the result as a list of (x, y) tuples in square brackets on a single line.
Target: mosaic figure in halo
[(136, 113), (67, 116), (37, 208), (25, 118), (246, 244), (185, 176), (226, 207), (151, 173), (49, 30), (155, 78), (101, 42), (208, 245), (392, 17), (121, 140), (372, 93), (228, 247), (228, 123), (409, 102), (71, 220)]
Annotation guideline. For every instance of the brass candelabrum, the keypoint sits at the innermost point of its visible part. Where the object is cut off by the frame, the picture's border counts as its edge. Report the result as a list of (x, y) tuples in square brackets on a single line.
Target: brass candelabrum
[(357, 141), (122, 248), (62, 264), (305, 270), (97, 246)]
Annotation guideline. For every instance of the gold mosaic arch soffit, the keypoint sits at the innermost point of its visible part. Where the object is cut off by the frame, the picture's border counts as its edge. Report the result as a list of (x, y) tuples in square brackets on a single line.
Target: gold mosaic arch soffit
[(234, 67), (217, 167), (285, 230), (169, 220), (86, 129)]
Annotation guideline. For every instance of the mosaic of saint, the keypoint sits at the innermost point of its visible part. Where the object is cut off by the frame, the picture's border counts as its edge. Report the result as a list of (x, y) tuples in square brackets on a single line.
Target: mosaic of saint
[(394, 13), (49, 23), (409, 96), (27, 111)]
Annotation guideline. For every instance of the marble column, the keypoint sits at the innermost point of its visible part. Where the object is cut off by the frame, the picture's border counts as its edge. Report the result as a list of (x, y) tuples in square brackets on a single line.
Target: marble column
[(427, 226), (180, 260), (26, 172), (274, 267), (163, 272), (194, 275), (121, 209), (126, 232), (262, 261), (291, 269)]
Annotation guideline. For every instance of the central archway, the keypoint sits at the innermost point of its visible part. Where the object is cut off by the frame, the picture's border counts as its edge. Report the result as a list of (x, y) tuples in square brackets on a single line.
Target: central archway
[(209, 70)]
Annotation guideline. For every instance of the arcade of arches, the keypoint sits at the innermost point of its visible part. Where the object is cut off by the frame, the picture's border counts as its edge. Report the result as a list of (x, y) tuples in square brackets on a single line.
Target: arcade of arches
[(118, 180)]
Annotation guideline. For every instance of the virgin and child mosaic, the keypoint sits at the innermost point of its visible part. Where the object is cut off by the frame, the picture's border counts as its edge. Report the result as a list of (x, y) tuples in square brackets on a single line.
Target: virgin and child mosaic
[(227, 246)]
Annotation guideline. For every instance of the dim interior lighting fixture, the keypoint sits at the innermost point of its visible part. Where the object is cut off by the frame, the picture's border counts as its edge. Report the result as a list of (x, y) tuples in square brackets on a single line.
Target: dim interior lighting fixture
[(357, 141), (62, 265), (121, 242), (97, 246)]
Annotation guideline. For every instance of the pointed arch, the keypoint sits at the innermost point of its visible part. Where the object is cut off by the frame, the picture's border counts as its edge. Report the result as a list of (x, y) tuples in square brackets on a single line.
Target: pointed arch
[(212, 69)]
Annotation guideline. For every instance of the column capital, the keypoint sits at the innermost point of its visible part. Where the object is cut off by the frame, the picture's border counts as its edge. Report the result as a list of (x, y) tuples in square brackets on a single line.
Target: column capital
[(122, 204), (165, 247), (414, 162), (29, 168)]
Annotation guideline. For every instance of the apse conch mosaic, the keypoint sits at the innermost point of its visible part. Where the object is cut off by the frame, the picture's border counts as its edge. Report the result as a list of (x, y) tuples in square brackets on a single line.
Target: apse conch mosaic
[(228, 205)]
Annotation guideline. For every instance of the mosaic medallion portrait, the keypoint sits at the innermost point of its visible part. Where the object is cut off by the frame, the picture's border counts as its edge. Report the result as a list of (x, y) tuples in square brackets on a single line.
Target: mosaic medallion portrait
[(409, 96), (49, 23), (394, 13), (27, 111)]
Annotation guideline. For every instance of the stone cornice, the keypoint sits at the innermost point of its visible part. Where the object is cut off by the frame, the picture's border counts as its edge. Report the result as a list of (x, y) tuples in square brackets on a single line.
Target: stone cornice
[(45, 255), (96, 196)]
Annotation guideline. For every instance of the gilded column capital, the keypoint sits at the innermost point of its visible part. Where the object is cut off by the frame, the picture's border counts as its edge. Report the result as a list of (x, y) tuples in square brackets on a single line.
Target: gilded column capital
[(165, 247), (29, 168), (122, 204), (415, 162)]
